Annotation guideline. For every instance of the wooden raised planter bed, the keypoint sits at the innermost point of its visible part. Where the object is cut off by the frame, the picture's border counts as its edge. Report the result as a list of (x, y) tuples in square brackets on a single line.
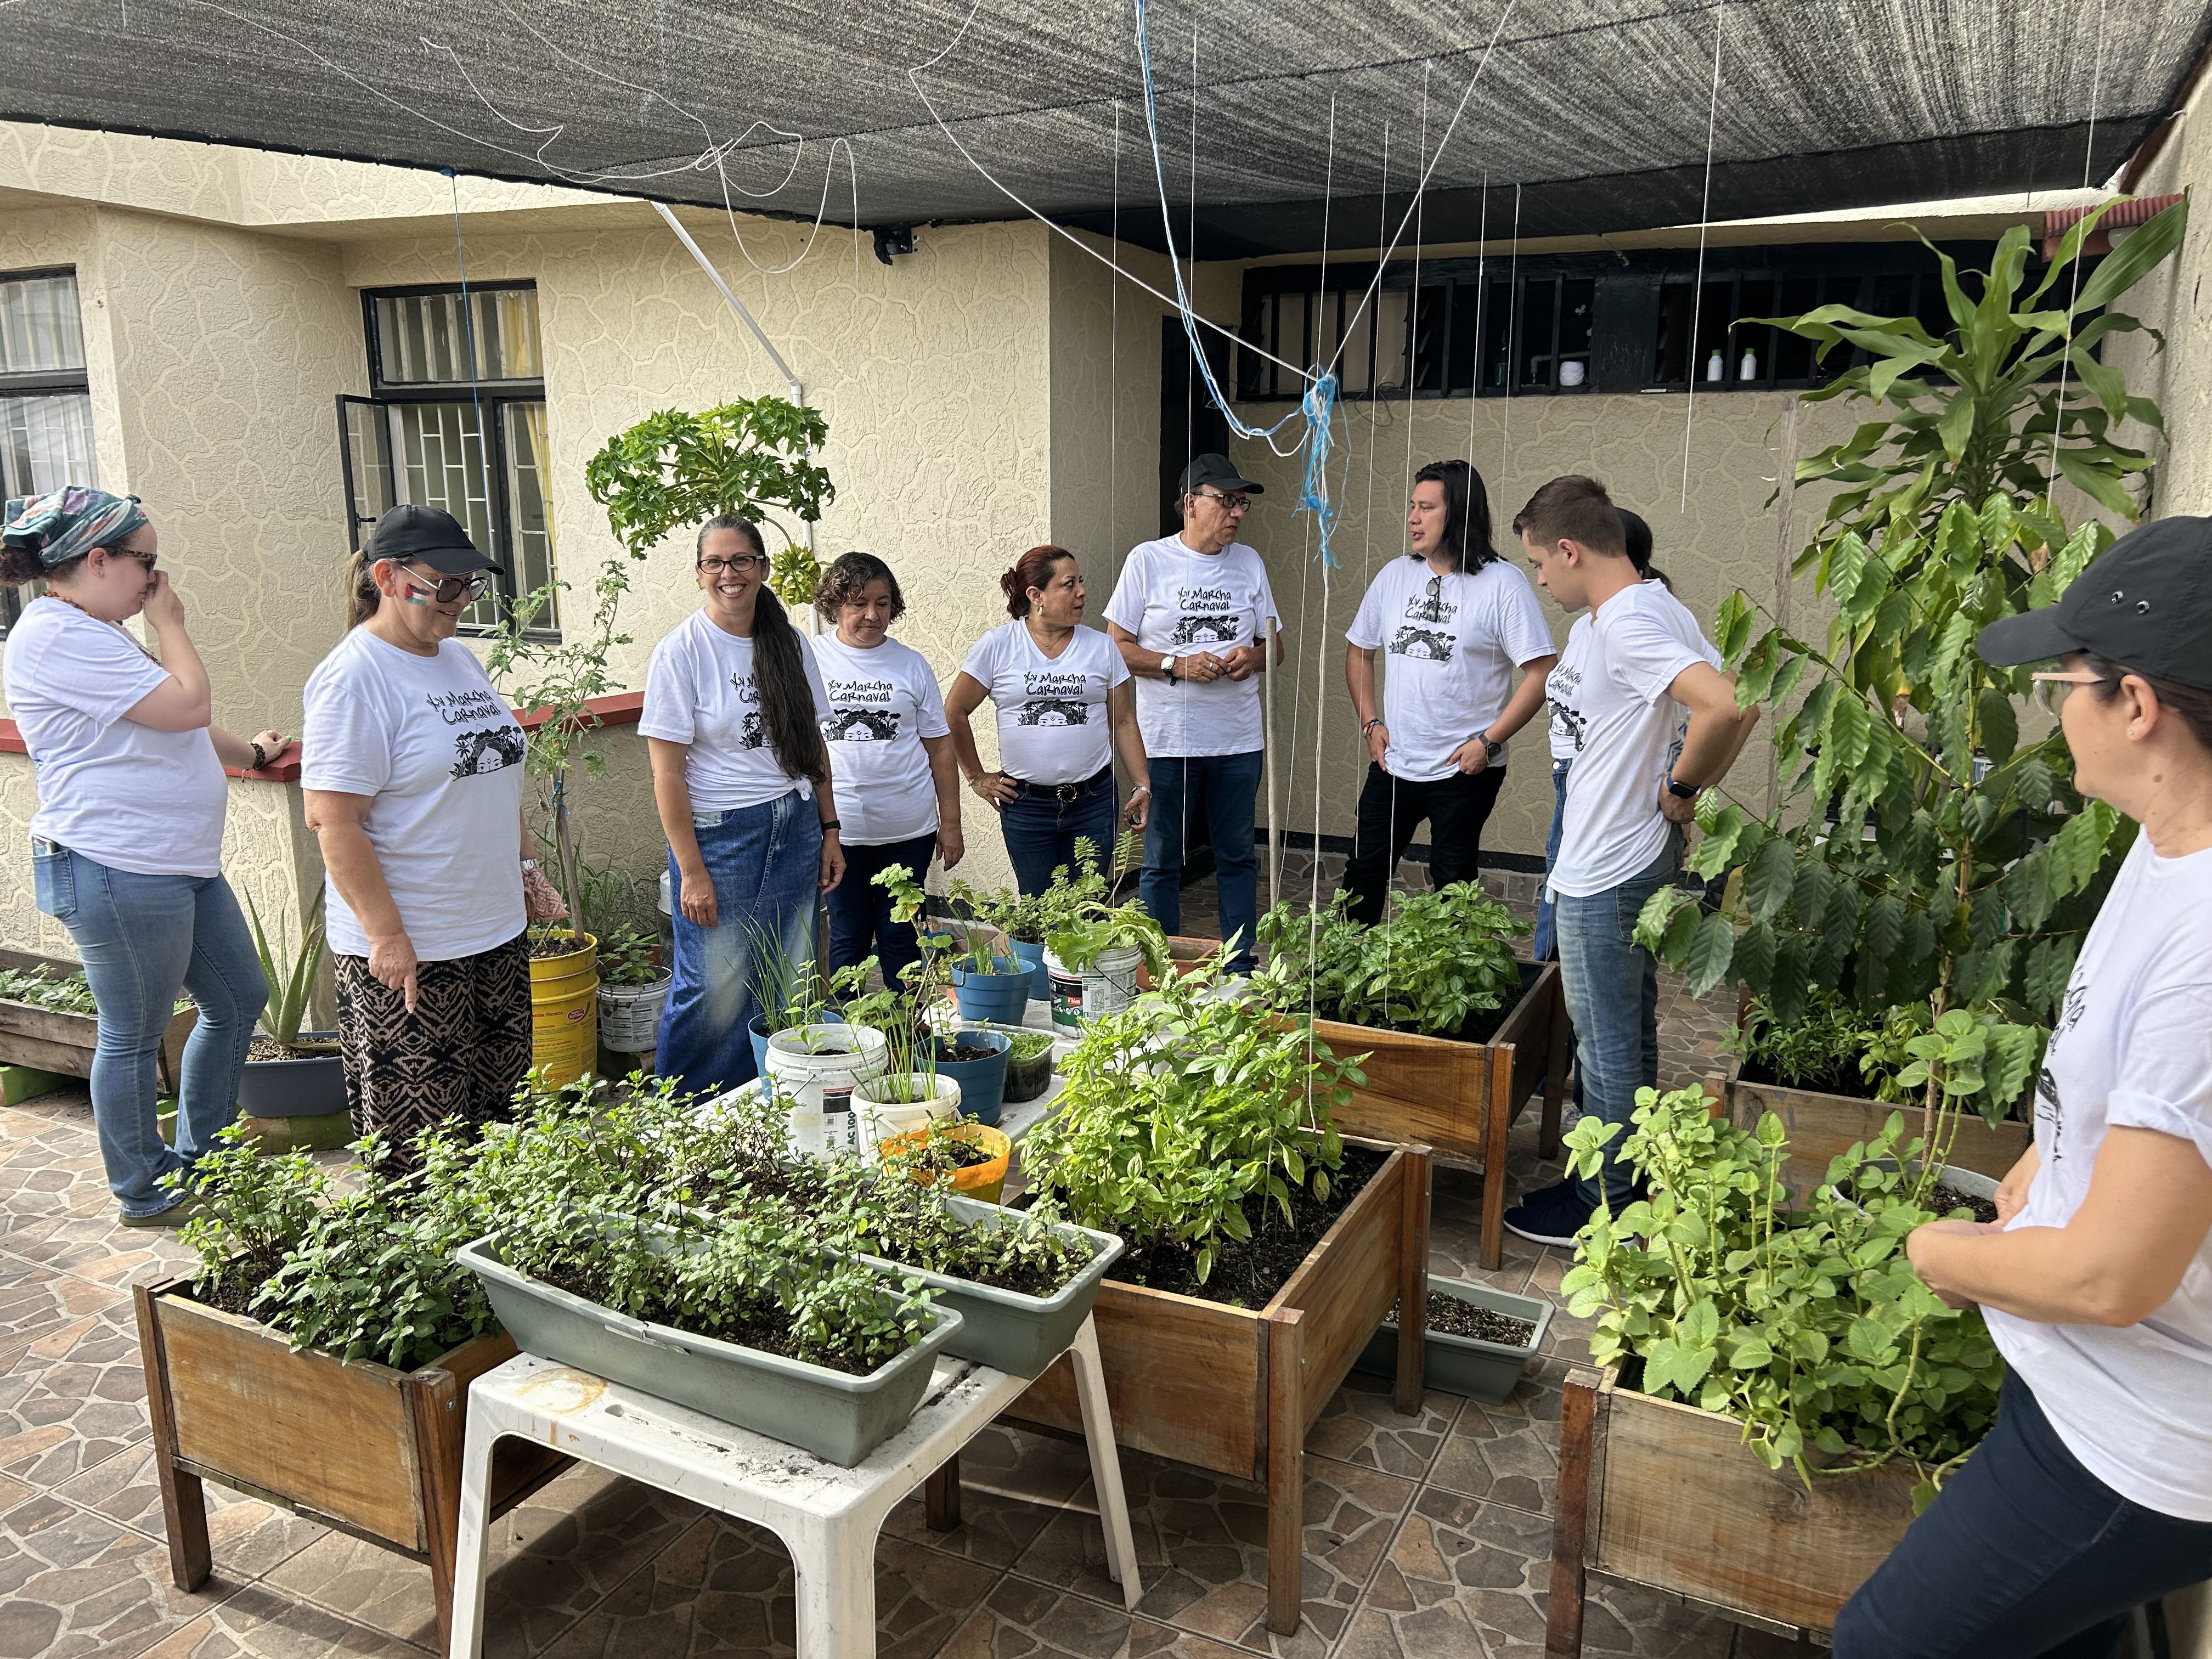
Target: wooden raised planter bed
[(47, 1040), (372, 1452), (1663, 1495), (1822, 1126), (1234, 1390), (1462, 1098)]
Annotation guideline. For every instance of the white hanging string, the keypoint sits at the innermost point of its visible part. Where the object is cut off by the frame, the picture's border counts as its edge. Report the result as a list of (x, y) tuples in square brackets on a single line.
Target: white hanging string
[(2088, 161), (1697, 287), (1482, 293), (1512, 364)]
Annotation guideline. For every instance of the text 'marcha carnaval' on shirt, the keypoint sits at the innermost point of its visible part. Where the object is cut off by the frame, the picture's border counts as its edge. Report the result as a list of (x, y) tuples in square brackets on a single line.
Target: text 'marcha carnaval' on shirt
[(1053, 725)]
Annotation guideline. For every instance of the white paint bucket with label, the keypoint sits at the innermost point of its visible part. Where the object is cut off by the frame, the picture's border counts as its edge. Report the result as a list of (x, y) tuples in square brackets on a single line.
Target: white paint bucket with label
[(815, 1068)]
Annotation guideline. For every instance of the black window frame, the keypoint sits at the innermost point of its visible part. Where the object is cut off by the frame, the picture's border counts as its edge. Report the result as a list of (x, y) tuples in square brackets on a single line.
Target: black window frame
[(490, 395), (38, 383), (1453, 324)]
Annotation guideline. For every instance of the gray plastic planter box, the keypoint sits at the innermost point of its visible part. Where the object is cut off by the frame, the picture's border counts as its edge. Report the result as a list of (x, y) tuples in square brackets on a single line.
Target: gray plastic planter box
[(835, 1416), (1009, 1332), (1483, 1371)]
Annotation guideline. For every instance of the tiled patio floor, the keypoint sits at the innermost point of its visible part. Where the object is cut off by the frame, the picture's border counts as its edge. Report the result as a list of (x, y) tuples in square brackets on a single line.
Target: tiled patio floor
[(1426, 1538)]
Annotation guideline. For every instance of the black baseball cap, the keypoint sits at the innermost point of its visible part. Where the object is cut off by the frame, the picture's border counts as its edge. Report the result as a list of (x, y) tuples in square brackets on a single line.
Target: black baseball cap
[(407, 533), (1215, 470), (2145, 604)]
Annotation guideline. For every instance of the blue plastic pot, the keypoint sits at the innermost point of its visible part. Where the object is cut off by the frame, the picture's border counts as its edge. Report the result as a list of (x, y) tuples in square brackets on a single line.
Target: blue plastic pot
[(999, 998), (1040, 976), (982, 1082)]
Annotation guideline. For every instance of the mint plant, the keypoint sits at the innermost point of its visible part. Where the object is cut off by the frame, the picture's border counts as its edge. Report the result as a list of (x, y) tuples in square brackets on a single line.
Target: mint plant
[(1438, 959), (1809, 1327)]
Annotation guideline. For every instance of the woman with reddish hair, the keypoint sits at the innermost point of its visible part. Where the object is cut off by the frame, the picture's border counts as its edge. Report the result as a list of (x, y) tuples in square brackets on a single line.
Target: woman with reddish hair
[(1065, 710)]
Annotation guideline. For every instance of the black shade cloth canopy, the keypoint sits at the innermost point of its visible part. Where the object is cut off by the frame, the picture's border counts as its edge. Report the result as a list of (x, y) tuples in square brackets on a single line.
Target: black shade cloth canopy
[(1597, 109)]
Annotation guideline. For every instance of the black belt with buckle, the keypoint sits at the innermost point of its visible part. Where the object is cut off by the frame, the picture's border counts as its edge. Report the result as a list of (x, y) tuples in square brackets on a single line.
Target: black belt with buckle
[(1068, 793)]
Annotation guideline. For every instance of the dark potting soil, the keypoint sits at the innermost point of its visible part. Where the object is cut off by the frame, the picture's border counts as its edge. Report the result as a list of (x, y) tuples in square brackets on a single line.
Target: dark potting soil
[(1943, 1199), (958, 1055), (1454, 1317), (557, 945), (1480, 1027), (1024, 1280), (1248, 1274), (1844, 1079), (967, 1155), (265, 1048), (769, 1331), (233, 1292)]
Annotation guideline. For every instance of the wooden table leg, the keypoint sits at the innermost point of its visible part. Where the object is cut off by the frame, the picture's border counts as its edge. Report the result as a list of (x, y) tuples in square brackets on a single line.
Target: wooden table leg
[(434, 1400), (1562, 1627), (940, 1496), (184, 1502), (1286, 1474)]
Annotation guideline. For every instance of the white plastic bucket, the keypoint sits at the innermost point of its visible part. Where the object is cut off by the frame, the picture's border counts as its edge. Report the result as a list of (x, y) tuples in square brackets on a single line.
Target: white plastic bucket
[(884, 1118), (1066, 993), (816, 1069), (1108, 986), (629, 1015)]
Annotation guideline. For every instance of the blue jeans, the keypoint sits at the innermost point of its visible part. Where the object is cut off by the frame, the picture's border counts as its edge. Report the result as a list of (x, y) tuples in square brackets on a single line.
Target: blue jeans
[(2025, 1555), (1231, 786), (861, 922), (1041, 830), (1545, 945), (1612, 984), (766, 864), (142, 938)]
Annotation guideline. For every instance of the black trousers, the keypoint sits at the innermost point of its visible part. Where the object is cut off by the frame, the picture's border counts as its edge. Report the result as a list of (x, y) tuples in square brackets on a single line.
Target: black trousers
[(1391, 808)]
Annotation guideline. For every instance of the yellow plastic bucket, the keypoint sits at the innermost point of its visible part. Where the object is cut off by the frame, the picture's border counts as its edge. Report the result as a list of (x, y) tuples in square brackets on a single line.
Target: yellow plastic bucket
[(564, 1012)]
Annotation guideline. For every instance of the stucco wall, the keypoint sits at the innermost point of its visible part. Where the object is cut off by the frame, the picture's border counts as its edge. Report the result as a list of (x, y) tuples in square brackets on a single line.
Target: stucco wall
[(1726, 537)]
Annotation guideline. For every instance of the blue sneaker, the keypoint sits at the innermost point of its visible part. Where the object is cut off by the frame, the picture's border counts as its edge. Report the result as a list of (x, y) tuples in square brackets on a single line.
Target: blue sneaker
[(1551, 1215)]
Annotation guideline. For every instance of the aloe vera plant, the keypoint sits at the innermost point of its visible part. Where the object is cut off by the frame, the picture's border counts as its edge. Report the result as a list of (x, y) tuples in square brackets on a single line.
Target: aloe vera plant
[(290, 973)]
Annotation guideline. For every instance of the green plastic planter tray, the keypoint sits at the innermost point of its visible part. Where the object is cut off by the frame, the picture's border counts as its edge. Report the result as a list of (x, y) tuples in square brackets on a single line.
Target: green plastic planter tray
[(1483, 1371), (1009, 1332), (837, 1416)]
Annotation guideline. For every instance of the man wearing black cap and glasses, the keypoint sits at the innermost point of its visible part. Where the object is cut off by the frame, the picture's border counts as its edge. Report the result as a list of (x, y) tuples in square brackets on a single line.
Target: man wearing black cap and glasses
[(2093, 1495), (1191, 614)]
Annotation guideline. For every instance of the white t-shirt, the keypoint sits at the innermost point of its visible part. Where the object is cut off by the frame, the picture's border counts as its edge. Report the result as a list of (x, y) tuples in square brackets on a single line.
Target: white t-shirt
[(1562, 734), (699, 692), (1052, 710), (883, 702), (440, 750), (1177, 601), (1447, 657), (1609, 689), (2133, 1050), (121, 794)]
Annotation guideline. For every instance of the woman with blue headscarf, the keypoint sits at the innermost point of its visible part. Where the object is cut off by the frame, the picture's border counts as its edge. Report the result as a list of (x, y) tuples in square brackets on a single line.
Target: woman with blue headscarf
[(127, 842)]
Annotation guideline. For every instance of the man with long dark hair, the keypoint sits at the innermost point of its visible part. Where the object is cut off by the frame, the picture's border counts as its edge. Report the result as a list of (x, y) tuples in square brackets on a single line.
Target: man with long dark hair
[(1453, 620)]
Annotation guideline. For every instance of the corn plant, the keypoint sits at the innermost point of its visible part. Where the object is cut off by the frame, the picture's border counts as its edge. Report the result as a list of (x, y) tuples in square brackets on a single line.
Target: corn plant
[(1983, 866)]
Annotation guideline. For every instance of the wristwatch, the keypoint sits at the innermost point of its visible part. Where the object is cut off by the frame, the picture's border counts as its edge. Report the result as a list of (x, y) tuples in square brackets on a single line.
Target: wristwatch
[(1681, 791), (1167, 670), (1490, 751)]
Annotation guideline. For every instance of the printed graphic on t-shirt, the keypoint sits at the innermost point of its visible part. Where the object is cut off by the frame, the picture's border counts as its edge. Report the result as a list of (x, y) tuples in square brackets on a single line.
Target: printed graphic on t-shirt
[(1560, 689), (1207, 616), (861, 725), (1430, 606), (1428, 644), (1052, 700), (750, 733), (458, 708), (488, 751), (2050, 1109)]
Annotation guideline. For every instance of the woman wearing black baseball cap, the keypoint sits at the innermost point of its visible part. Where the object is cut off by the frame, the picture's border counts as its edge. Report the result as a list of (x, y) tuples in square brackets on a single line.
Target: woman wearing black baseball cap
[(2094, 1492)]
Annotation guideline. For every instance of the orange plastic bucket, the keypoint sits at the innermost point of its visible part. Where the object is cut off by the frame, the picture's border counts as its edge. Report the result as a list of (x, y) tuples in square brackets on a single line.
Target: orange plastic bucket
[(984, 1182)]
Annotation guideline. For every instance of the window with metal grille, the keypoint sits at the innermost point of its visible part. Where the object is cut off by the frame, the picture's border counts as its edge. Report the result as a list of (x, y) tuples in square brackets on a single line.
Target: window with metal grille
[(45, 399), (457, 420)]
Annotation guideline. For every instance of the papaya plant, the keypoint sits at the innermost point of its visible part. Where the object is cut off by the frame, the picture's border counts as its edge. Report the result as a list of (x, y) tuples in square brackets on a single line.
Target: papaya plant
[(1929, 855)]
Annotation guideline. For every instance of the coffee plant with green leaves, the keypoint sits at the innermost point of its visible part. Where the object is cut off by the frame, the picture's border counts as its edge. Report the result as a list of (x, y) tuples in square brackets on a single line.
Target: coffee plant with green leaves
[(1810, 1327), (1986, 865)]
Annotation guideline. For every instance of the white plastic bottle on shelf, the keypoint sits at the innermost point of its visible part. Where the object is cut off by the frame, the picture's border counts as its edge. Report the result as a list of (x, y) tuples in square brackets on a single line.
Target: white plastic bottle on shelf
[(1716, 366), (1748, 368)]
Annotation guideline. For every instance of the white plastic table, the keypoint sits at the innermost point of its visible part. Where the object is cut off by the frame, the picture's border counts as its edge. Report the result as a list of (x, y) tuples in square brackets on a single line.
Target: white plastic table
[(827, 1515)]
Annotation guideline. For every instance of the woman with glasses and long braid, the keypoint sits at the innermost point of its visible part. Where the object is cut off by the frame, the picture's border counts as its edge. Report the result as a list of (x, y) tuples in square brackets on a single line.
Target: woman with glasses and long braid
[(733, 706), (412, 774), (126, 846), (1453, 620)]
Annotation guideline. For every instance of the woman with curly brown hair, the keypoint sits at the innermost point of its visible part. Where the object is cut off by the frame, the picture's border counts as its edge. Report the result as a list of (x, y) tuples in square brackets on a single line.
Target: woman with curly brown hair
[(1065, 710), (891, 754)]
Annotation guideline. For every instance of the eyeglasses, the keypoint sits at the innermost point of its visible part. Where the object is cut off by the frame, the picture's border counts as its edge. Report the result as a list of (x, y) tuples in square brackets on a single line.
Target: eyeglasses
[(743, 564), (2051, 690), (449, 588), (1229, 503)]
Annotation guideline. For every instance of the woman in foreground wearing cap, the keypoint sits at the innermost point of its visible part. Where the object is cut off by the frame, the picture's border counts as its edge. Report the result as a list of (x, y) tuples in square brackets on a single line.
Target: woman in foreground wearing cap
[(412, 774), (1065, 707), (126, 846), (2093, 1494)]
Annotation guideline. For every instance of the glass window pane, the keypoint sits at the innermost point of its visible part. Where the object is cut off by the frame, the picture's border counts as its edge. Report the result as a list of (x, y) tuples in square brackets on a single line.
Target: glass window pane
[(1498, 316), (530, 507), (46, 442), (1428, 324), (1393, 313), (424, 339), (39, 324), (368, 438)]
